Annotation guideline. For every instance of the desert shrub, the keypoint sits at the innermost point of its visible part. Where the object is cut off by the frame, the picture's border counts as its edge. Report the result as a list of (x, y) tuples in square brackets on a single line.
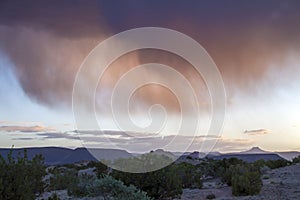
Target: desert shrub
[(21, 178), (74, 166), (108, 188), (260, 163), (246, 180), (227, 173), (158, 184), (210, 167), (189, 175), (273, 164), (87, 185), (210, 196), (63, 179), (222, 168), (101, 169), (142, 163), (66, 177), (296, 160), (54, 197), (80, 187), (163, 183)]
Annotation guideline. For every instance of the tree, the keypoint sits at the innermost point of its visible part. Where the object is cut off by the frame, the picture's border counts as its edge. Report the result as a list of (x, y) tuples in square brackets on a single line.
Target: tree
[(21, 178), (159, 184), (63, 178), (189, 174)]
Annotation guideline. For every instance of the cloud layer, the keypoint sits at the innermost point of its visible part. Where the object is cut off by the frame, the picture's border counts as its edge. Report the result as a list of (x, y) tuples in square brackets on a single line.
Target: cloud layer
[(25, 129), (122, 140), (49, 40), (257, 132)]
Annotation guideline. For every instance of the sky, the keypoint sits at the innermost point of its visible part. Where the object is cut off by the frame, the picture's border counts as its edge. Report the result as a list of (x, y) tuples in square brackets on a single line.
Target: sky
[(255, 45)]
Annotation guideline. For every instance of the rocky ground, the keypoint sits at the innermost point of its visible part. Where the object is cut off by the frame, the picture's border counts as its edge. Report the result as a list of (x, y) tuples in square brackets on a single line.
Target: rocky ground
[(63, 195), (278, 184)]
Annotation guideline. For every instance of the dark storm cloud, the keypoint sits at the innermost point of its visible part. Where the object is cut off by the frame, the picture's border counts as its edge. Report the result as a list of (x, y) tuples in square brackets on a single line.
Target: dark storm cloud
[(65, 18), (48, 40)]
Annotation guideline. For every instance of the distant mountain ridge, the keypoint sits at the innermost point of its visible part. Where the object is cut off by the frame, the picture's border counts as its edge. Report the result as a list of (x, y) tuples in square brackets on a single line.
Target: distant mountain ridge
[(249, 157), (59, 155), (255, 150), (288, 155)]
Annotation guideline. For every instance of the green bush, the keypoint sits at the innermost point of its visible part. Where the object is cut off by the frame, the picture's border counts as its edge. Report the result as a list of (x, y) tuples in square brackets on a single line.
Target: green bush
[(86, 185), (107, 187), (260, 163), (158, 184), (246, 180), (21, 178), (163, 183), (273, 164), (226, 169), (63, 178), (80, 187), (222, 168), (189, 175), (110, 187)]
